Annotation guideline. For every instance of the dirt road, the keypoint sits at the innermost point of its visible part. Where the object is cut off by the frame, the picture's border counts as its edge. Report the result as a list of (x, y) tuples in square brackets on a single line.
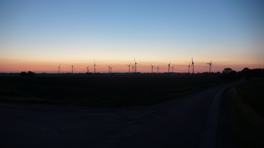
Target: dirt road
[(189, 121)]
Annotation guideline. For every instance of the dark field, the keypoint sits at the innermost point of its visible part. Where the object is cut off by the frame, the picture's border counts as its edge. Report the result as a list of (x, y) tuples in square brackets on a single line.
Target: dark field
[(248, 112), (102, 90), (252, 93)]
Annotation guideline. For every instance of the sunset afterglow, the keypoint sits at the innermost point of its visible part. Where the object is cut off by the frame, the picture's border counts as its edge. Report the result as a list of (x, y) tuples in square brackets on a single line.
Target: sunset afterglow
[(40, 35)]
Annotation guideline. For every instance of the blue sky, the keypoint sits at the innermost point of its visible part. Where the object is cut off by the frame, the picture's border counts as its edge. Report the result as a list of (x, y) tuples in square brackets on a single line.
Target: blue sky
[(227, 32)]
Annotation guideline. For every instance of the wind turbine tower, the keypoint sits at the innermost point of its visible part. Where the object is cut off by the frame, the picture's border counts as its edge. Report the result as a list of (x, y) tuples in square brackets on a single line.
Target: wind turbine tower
[(59, 68), (172, 68), (129, 67), (168, 67), (72, 68), (151, 68), (135, 65), (109, 68), (157, 69), (193, 65), (189, 68), (87, 69), (94, 66), (210, 66), (133, 68)]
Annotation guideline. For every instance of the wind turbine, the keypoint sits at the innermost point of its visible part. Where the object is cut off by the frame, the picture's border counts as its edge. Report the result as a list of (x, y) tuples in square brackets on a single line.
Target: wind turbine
[(129, 67), (193, 65), (94, 66), (133, 68), (151, 68), (189, 68), (88, 68), (72, 67), (172, 68), (210, 66), (135, 65), (157, 69), (109, 68), (59, 68), (168, 67)]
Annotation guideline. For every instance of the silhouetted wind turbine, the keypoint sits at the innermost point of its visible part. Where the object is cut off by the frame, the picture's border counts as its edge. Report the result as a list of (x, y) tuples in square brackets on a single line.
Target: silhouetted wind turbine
[(168, 67), (151, 68), (193, 65), (59, 68), (88, 68), (129, 67), (135, 65), (133, 68), (72, 68), (94, 66), (157, 69), (210, 66), (109, 68), (189, 68), (172, 68)]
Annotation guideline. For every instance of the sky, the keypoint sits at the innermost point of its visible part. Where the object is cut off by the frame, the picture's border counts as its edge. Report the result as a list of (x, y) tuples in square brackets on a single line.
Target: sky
[(39, 35)]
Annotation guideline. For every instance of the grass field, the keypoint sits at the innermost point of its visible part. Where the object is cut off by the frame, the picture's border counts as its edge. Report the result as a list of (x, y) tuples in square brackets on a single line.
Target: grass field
[(102, 90), (252, 92), (248, 106)]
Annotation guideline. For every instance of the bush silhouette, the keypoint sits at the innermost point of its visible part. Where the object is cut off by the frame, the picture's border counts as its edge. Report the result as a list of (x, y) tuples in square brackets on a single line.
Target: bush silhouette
[(29, 73)]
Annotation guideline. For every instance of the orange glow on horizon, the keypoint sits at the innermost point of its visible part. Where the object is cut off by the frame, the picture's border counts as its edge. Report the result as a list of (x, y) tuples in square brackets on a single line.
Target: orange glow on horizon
[(118, 66)]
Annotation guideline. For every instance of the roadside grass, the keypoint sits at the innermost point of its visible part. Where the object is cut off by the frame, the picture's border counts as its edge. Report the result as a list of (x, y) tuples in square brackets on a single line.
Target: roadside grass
[(100, 91), (252, 92), (247, 116)]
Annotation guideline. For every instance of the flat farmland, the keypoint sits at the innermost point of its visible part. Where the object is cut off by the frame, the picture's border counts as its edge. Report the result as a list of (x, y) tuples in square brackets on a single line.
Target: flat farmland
[(102, 90)]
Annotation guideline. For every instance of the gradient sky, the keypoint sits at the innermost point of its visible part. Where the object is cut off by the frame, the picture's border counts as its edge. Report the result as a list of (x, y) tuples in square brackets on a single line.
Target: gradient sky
[(39, 35)]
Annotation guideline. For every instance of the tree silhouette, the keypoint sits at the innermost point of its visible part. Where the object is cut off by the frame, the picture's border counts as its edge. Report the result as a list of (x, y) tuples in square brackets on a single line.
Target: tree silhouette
[(227, 70), (29, 73)]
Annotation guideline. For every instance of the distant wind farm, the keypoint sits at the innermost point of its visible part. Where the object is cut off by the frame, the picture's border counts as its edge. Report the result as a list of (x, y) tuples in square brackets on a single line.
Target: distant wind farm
[(133, 68)]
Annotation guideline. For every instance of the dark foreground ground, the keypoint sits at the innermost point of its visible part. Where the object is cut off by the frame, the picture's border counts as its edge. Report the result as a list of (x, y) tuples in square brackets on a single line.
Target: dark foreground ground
[(190, 121), (247, 103), (103, 90)]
